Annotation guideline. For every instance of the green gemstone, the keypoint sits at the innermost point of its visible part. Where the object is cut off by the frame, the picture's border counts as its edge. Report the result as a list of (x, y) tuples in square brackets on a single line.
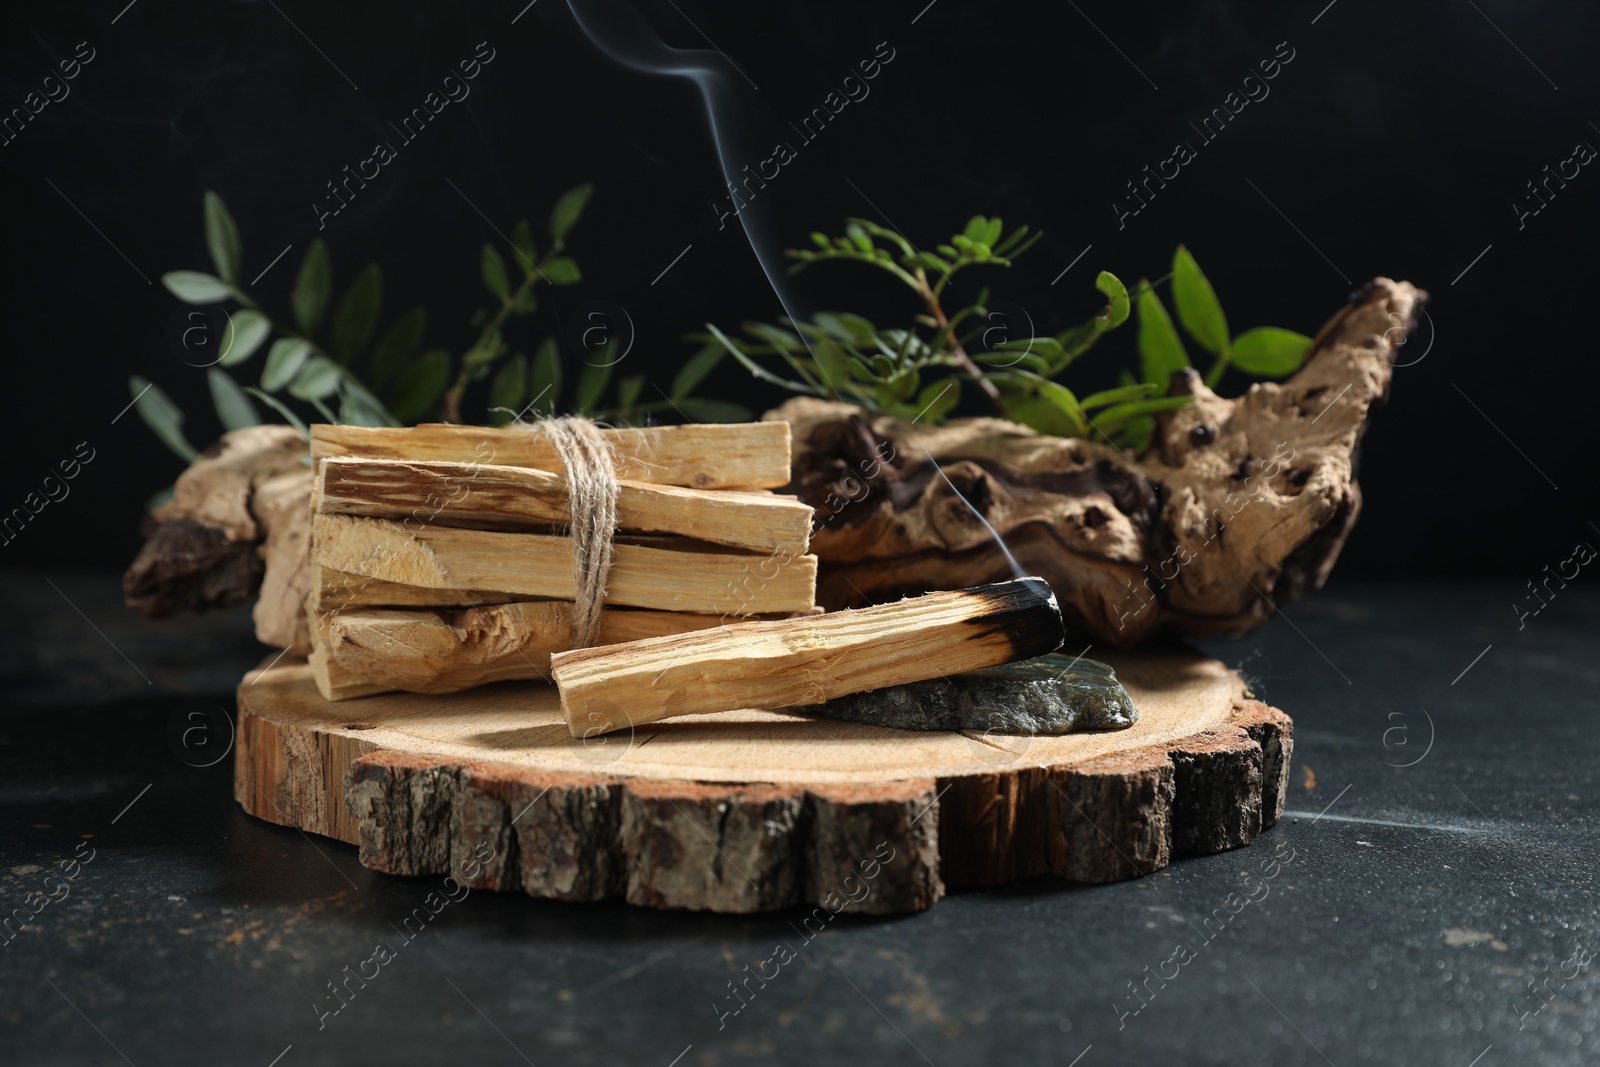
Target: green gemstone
[(1052, 694)]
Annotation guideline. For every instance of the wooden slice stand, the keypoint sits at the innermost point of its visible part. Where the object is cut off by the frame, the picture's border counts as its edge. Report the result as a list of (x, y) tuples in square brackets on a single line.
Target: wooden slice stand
[(757, 810)]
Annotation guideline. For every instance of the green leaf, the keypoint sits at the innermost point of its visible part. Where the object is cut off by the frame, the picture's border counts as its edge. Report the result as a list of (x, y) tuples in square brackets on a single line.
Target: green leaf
[(222, 238), (283, 362), (831, 363), (701, 409), (1045, 347), (162, 416), (591, 384), (545, 389), (1008, 246), (1113, 418), (568, 209), (695, 370), (937, 399), (277, 405), (522, 241), (494, 272), (1063, 400), (775, 336), (357, 407), (1117, 294), (421, 385), (319, 377), (1005, 358), (756, 369), (991, 233), (194, 287), (398, 344), (508, 390), (245, 332), (233, 407), (975, 229), (357, 314), (1198, 309), (1269, 351), (1160, 351), (1135, 434), (561, 271), (628, 391), (843, 326), (1120, 395), (1040, 414), (484, 351), (312, 288)]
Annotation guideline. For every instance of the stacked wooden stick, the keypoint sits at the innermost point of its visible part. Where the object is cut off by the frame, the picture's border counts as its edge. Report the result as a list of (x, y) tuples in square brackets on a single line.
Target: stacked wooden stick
[(439, 562)]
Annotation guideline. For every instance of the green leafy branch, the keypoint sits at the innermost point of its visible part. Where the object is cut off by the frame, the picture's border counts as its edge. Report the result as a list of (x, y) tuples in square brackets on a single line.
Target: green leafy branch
[(918, 372), (320, 362), (1265, 351)]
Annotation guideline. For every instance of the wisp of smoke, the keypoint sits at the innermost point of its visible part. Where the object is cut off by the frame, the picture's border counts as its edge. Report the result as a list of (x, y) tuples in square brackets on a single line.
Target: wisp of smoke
[(734, 116), (1016, 568), (625, 37)]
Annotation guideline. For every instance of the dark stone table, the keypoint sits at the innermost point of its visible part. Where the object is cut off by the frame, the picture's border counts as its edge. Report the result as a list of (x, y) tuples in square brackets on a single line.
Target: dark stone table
[(1430, 897)]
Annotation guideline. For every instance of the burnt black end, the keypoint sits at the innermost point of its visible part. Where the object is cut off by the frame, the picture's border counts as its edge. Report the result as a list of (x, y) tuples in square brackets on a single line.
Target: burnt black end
[(1024, 610)]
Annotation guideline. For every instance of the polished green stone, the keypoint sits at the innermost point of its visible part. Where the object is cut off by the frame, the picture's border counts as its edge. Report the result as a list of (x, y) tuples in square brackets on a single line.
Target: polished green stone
[(1052, 694)]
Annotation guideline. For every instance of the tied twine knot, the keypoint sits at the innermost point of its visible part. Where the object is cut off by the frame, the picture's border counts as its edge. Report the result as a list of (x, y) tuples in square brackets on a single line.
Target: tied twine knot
[(590, 464)]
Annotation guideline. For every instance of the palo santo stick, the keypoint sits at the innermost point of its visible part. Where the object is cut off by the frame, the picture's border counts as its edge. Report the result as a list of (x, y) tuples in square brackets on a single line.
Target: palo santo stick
[(790, 662), (368, 651), (334, 590), (538, 565), (510, 498), (708, 456)]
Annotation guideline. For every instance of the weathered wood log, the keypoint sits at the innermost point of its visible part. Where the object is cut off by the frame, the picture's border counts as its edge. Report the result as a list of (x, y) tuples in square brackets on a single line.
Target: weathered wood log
[(535, 565), (367, 651), (1236, 505), (282, 505), (790, 662), (708, 456), (201, 551), (521, 498), (841, 816)]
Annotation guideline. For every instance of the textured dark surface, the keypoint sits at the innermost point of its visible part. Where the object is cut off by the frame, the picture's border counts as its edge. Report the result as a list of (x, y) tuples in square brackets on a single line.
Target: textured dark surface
[(1052, 694), (1395, 916)]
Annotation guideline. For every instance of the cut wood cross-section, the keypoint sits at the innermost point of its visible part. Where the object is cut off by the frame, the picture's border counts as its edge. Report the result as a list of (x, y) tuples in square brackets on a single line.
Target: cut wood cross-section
[(757, 810)]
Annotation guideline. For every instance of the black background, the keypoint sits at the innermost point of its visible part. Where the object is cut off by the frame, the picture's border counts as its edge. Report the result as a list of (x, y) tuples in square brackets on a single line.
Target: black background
[(1394, 143)]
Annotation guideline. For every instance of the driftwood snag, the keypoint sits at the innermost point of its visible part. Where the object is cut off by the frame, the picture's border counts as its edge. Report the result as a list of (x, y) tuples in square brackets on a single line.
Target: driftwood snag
[(201, 552), (1235, 505), (758, 810)]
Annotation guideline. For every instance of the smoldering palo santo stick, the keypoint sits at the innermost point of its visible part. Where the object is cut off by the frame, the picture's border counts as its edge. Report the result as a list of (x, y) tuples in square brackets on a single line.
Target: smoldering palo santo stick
[(790, 662)]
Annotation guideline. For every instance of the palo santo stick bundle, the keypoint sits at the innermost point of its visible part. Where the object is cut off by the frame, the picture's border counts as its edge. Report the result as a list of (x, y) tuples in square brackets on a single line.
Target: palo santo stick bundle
[(465, 521), (792, 662)]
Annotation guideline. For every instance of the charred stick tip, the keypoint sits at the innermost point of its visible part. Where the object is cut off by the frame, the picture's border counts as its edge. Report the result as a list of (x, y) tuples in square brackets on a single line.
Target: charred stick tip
[(1025, 610)]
